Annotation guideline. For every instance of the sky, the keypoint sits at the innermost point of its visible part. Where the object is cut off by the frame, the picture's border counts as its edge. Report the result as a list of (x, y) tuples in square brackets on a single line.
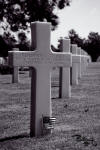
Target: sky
[(83, 16)]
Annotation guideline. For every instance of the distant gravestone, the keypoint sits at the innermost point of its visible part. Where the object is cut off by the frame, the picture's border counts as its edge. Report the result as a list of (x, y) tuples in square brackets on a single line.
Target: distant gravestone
[(65, 88), (87, 59), (41, 60), (15, 75), (75, 63), (2, 61), (79, 65), (83, 61)]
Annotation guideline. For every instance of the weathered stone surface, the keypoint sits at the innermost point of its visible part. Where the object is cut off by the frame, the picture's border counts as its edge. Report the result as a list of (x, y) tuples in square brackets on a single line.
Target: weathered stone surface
[(42, 59)]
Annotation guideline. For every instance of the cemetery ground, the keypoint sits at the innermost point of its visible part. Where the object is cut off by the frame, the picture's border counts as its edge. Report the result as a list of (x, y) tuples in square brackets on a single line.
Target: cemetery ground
[(77, 118)]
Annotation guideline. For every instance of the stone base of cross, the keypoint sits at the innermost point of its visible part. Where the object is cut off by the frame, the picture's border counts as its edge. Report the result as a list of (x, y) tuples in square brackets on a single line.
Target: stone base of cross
[(41, 60)]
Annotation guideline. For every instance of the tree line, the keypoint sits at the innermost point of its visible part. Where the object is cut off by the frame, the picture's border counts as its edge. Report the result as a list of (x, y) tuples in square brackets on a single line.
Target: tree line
[(16, 16), (91, 44)]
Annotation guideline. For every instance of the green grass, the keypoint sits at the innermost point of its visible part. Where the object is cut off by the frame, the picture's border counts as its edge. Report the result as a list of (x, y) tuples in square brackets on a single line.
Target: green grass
[(77, 118)]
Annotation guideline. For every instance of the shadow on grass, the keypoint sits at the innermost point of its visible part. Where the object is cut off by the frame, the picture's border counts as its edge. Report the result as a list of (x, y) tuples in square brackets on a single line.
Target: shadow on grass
[(14, 137), (7, 83)]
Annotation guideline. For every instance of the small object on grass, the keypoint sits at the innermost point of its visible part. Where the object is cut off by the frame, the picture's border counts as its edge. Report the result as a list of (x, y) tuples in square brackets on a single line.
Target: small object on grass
[(94, 143), (91, 139), (86, 109), (78, 137), (86, 143), (65, 106)]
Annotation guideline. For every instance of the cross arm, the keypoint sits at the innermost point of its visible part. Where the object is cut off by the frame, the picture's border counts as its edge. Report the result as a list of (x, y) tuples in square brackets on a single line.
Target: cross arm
[(33, 58), (61, 59), (24, 58)]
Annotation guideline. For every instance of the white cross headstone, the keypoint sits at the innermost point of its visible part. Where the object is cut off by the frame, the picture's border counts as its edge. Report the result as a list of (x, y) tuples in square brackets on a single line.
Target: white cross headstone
[(89, 59), (86, 59), (15, 75), (83, 61), (79, 65), (41, 60), (75, 63), (65, 72)]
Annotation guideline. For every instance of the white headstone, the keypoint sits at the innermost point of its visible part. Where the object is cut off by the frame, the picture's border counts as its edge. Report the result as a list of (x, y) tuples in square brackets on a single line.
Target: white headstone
[(41, 60), (79, 65), (86, 58), (75, 63), (84, 61), (65, 72)]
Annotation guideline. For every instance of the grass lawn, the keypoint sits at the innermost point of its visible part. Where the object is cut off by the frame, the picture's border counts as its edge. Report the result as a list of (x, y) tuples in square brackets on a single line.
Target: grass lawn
[(77, 118)]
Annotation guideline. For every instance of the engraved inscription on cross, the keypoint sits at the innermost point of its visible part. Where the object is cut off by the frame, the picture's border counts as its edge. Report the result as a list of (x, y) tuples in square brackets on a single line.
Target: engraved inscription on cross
[(41, 60)]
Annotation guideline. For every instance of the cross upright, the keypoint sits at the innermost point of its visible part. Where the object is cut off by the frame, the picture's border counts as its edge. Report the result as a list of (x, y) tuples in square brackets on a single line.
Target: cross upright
[(82, 62), (15, 75), (75, 63), (65, 88), (79, 65), (41, 60)]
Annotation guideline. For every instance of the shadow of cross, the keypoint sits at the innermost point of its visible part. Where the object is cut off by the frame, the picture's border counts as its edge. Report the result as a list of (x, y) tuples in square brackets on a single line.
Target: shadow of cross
[(42, 59)]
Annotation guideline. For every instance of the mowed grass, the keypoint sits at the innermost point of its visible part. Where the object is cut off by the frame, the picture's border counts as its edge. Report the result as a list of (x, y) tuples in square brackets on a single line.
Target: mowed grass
[(77, 118)]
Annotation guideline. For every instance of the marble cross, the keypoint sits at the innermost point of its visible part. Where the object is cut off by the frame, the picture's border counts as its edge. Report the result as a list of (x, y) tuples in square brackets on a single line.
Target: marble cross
[(79, 65), (75, 63), (65, 88), (41, 60)]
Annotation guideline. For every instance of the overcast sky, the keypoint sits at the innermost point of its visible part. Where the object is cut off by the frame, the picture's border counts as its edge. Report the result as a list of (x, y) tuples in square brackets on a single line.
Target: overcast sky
[(82, 15)]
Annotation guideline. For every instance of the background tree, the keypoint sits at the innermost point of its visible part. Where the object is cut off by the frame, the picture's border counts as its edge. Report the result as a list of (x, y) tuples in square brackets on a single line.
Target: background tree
[(23, 43), (19, 13), (59, 48), (92, 45), (75, 38), (6, 43), (16, 15)]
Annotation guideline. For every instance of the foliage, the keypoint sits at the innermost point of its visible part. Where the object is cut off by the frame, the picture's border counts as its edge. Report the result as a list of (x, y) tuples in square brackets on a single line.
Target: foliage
[(7, 42), (24, 44), (19, 13), (53, 48), (75, 39), (60, 44), (4, 46), (91, 45)]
